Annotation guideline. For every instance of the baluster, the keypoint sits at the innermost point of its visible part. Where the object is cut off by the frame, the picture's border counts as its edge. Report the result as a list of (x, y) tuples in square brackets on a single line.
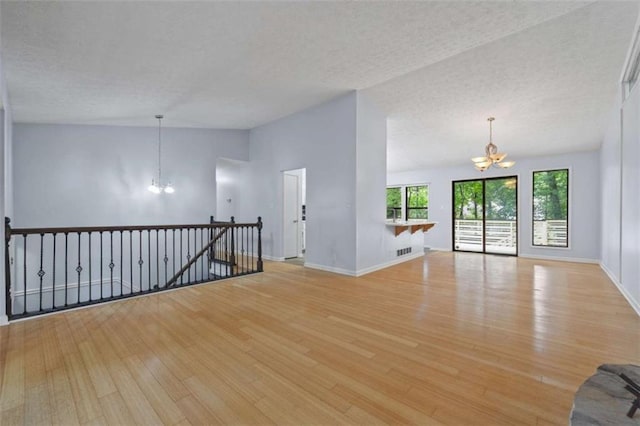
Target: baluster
[(121, 264), (253, 250), (232, 256), (140, 261), (111, 264), (202, 258), (24, 294), (7, 266), (188, 256), (101, 262), (90, 282), (157, 260), (41, 271), (66, 268), (79, 268), (53, 267), (149, 257), (166, 259), (260, 266), (130, 261), (173, 251), (181, 276)]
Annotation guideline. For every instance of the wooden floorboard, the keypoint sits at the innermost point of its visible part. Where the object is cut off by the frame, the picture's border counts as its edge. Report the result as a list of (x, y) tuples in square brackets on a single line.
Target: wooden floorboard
[(451, 338)]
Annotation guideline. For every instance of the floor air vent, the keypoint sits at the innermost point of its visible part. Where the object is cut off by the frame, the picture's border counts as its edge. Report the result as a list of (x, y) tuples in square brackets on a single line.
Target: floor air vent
[(403, 251)]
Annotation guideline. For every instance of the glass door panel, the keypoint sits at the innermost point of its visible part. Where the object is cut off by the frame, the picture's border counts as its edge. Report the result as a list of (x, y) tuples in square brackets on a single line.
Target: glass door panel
[(485, 215), (468, 223), (501, 211)]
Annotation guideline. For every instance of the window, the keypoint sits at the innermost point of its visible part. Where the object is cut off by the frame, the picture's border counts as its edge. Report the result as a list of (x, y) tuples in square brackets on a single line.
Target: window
[(551, 208), (408, 202), (417, 202)]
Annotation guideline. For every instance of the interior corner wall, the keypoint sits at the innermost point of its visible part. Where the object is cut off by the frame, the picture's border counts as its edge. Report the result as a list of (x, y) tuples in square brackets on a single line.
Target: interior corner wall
[(322, 140), (584, 194), (86, 175), (371, 176), (620, 156), (610, 190)]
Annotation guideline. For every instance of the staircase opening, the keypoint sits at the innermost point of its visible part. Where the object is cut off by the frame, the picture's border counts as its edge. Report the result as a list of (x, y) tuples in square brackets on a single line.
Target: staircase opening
[(53, 269)]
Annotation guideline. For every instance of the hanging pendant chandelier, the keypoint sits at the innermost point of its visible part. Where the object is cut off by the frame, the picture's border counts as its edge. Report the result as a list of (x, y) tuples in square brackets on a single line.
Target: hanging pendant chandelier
[(157, 187), (492, 157)]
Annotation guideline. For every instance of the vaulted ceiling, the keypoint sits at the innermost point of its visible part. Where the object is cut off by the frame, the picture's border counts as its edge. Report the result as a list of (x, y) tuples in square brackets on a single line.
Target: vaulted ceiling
[(548, 71)]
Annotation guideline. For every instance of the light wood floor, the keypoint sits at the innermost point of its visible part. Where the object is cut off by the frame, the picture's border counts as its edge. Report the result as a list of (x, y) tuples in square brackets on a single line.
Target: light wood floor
[(451, 339)]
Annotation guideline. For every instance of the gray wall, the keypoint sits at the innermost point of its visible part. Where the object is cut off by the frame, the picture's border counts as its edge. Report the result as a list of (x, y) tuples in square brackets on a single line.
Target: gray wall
[(584, 211), (73, 175), (322, 140), (620, 156)]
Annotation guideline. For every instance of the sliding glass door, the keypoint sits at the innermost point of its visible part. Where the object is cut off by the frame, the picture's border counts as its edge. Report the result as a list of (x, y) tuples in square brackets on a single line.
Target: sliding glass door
[(485, 215)]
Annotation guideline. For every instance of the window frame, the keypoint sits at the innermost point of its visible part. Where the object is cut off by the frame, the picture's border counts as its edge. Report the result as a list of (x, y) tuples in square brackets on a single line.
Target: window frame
[(404, 201), (569, 209)]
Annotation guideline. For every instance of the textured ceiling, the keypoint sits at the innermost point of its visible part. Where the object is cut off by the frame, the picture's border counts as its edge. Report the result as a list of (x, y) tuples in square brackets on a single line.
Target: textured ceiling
[(545, 69)]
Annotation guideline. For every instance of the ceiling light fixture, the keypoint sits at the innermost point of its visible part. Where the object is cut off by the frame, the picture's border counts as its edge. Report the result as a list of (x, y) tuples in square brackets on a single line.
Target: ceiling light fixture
[(493, 157), (156, 186)]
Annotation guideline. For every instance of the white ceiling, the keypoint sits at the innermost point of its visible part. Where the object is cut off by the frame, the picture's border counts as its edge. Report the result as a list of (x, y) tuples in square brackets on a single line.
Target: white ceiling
[(546, 70)]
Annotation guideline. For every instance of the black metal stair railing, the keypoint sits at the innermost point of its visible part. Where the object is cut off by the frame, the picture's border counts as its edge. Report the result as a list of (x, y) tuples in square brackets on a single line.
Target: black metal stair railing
[(53, 269)]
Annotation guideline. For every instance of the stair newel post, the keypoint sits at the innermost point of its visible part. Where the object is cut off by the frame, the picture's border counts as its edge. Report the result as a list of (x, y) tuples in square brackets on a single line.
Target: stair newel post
[(232, 256), (260, 267), (7, 266)]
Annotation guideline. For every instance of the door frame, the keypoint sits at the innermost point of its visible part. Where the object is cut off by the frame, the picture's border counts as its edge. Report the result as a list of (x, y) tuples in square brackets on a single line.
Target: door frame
[(284, 216), (484, 217)]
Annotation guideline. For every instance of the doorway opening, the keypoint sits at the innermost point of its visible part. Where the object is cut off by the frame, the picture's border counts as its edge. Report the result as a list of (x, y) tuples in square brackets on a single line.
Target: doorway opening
[(485, 215), (294, 215)]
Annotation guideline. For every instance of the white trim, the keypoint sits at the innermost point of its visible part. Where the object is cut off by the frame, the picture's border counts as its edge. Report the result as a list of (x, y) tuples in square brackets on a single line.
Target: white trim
[(384, 265), (135, 296), (364, 271), (74, 285), (437, 249), (4, 320), (560, 258), (335, 270), (635, 305), (272, 258)]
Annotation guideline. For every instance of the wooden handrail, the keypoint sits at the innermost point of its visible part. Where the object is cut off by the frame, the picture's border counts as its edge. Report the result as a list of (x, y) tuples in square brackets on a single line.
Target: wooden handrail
[(75, 230)]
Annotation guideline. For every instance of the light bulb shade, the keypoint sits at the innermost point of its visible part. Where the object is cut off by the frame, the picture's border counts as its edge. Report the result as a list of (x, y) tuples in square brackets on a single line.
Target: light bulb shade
[(498, 157), (169, 189), (506, 164), (479, 159), (481, 168), (154, 188)]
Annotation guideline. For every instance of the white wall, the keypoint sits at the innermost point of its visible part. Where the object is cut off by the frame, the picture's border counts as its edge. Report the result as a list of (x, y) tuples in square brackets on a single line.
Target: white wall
[(376, 243), (73, 175), (322, 140), (584, 210), (620, 156), (610, 189), (231, 180)]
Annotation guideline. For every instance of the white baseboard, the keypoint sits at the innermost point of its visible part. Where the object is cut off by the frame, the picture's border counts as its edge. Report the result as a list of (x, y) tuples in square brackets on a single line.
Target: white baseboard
[(634, 303), (561, 259), (364, 271), (74, 285), (333, 269), (273, 258), (4, 320), (437, 249), (388, 264)]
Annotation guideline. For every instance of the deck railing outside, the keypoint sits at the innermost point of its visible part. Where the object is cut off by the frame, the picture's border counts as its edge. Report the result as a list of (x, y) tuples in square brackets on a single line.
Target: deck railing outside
[(52, 269), (501, 235)]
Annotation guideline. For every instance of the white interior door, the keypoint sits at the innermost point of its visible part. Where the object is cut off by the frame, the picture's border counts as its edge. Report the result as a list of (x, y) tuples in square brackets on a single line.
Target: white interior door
[(291, 219)]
